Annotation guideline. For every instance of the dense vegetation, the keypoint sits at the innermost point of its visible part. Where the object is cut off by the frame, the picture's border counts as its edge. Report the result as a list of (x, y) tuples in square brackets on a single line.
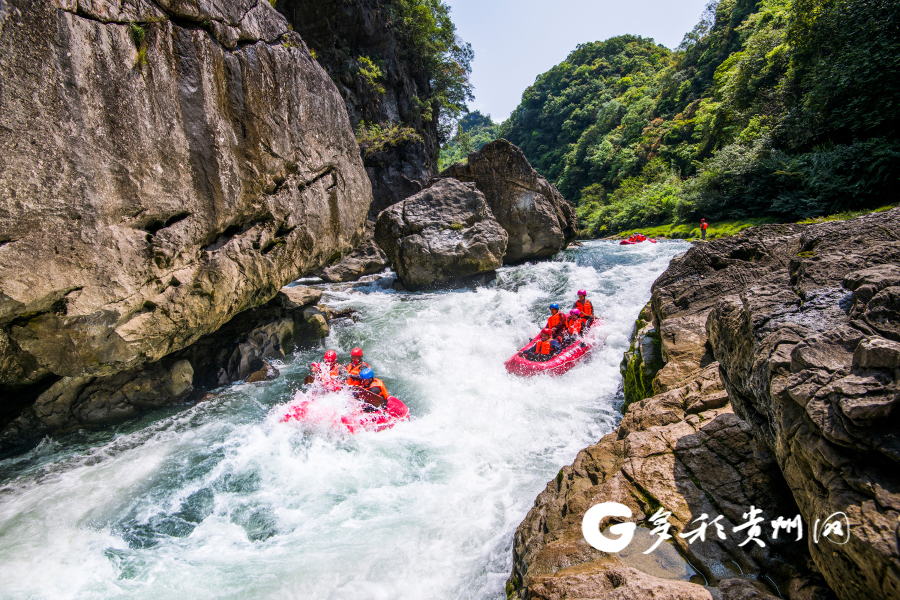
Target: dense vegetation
[(474, 131), (784, 109)]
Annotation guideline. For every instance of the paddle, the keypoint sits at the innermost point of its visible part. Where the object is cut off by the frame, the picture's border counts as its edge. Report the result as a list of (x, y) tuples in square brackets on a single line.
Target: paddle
[(369, 397)]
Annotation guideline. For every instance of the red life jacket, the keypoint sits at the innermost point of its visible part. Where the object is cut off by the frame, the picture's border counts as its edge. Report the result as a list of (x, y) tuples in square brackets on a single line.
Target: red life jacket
[(704, 226), (585, 307), (542, 347)]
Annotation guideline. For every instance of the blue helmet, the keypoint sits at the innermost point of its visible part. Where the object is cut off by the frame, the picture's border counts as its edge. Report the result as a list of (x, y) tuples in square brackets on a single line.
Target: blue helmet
[(555, 305), (366, 374)]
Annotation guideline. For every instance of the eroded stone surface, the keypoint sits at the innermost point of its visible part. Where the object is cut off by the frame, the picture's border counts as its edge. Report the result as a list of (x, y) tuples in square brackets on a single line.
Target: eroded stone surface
[(539, 221), (440, 234), (155, 181)]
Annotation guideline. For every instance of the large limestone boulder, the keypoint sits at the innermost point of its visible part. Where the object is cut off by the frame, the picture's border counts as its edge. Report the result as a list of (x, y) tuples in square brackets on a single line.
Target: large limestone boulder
[(539, 221), (366, 259), (158, 179), (810, 360), (443, 233)]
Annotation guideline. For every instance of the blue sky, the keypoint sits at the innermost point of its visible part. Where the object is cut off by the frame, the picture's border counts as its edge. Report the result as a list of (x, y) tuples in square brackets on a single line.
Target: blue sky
[(517, 40)]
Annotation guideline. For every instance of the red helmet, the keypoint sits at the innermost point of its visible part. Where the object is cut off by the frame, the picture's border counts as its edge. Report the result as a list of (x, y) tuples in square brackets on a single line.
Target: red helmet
[(330, 356), (582, 293), (356, 352), (546, 330)]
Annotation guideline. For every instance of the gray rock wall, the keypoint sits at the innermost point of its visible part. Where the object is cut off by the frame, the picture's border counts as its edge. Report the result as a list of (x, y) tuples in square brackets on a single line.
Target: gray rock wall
[(158, 178), (539, 221)]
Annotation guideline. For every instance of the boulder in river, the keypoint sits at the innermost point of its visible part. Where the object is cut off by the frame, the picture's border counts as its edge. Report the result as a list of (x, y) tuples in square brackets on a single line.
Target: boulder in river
[(366, 259), (539, 221), (441, 234), (168, 165)]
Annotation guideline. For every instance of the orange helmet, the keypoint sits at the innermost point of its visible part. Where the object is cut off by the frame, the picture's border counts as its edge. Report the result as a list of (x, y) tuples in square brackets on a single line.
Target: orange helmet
[(330, 356), (356, 352)]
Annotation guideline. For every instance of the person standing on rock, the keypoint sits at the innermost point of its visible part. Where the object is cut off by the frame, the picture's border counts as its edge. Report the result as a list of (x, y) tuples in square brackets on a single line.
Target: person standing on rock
[(584, 306), (703, 226)]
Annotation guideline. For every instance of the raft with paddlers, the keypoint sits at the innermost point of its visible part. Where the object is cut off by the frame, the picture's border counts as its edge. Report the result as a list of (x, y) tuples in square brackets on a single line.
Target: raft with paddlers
[(637, 238), (369, 408), (561, 344), (567, 357)]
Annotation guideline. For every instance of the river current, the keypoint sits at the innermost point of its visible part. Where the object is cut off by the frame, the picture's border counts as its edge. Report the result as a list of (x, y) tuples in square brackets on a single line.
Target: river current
[(220, 500)]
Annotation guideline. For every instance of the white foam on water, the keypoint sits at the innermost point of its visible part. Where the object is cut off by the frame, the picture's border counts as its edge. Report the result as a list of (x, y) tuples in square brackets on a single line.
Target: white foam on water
[(223, 501)]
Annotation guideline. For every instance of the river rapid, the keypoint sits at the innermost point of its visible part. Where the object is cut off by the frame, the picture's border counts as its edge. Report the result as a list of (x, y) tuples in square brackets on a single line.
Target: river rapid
[(220, 500)]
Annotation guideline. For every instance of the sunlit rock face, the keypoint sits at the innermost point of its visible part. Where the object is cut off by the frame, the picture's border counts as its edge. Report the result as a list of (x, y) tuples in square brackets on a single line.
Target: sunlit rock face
[(539, 221), (441, 234), (158, 179)]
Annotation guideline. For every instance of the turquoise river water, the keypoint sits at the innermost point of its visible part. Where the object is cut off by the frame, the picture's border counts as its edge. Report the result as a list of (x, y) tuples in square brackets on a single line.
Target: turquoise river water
[(220, 500)]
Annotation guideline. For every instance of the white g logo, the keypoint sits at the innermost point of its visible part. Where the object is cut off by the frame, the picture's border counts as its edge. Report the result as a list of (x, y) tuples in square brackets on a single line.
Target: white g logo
[(590, 527)]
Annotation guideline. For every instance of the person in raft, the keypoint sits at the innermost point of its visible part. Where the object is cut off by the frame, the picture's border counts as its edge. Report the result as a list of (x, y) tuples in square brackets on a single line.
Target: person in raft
[(378, 394), (543, 349), (328, 369), (556, 323), (576, 322), (703, 226), (584, 306), (356, 363)]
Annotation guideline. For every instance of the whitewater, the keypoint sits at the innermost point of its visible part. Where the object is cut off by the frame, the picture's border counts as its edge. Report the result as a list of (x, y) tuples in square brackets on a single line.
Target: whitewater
[(220, 500)]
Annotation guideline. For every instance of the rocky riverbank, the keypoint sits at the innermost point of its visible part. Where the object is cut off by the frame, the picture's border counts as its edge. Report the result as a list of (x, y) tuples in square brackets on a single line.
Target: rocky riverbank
[(167, 166), (777, 389)]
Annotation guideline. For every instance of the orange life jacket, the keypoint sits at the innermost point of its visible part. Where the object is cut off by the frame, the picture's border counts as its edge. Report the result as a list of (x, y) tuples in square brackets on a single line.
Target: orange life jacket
[(575, 326), (542, 347), (704, 225), (585, 307), (555, 320), (377, 387), (355, 369)]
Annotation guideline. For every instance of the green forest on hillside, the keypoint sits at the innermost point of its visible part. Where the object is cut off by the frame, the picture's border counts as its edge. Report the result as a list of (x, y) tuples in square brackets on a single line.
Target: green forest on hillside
[(786, 109)]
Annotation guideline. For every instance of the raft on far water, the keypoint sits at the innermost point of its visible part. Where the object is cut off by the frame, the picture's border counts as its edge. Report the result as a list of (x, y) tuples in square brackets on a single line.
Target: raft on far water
[(567, 358)]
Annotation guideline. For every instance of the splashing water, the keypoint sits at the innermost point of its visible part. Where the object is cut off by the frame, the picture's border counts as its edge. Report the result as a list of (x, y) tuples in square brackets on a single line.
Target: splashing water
[(220, 500)]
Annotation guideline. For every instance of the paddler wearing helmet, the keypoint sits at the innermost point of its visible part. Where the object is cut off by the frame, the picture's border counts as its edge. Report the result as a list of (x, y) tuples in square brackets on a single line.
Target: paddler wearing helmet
[(576, 322), (556, 323), (584, 306), (356, 363), (543, 349), (375, 387)]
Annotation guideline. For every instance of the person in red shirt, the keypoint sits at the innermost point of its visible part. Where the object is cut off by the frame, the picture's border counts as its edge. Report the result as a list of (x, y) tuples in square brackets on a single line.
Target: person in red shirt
[(703, 226)]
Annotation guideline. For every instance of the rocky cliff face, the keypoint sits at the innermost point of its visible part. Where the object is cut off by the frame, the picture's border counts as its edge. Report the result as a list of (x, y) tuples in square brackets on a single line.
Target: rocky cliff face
[(346, 34), (778, 391), (165, 165), (539, 221)]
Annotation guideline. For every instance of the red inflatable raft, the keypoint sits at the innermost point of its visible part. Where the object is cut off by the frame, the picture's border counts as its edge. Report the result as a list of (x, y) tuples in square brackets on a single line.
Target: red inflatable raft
[(567, 358), (355, 420), (636, 239)]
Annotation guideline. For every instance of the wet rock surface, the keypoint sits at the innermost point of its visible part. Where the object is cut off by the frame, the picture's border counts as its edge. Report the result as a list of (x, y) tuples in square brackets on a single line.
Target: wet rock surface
[(366, 259), (809, 358), (539, 221), (442, 234), (778, 391), (158, 179)]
